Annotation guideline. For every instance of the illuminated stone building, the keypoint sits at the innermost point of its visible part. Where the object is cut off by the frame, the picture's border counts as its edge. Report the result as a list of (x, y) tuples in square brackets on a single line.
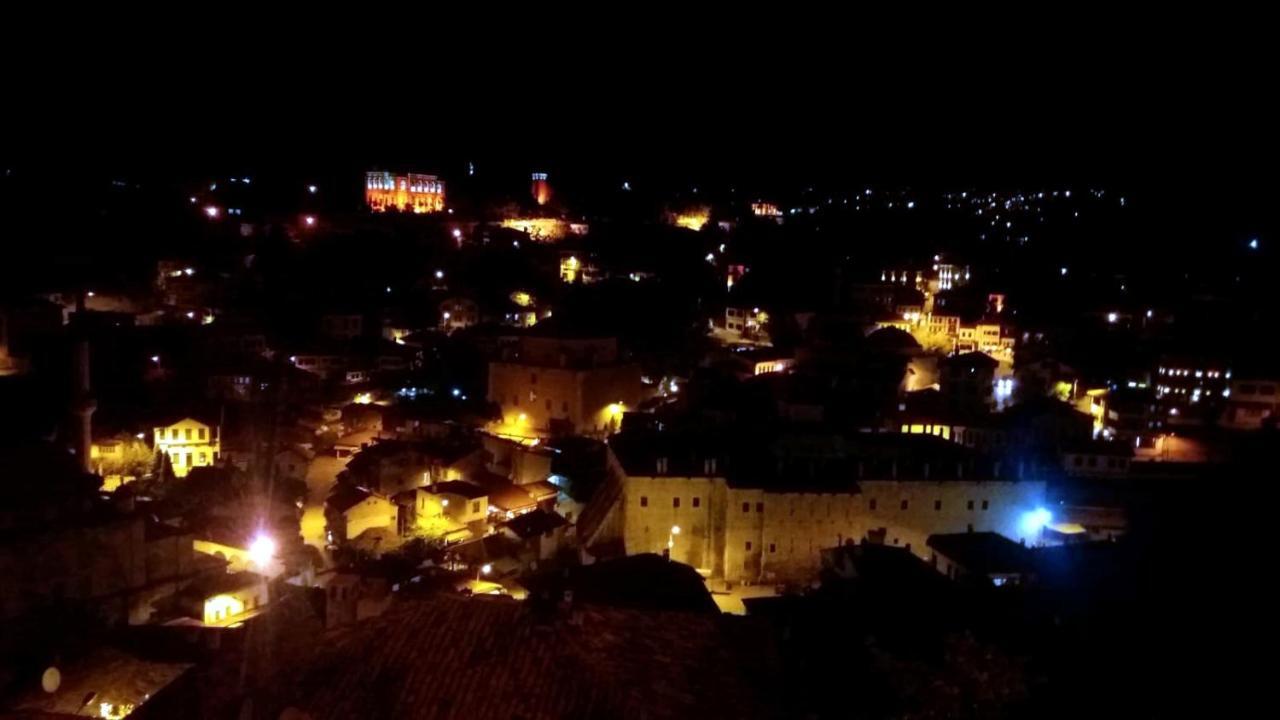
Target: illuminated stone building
[(549, 385), (413, 192), (745, 524), (766, 210)]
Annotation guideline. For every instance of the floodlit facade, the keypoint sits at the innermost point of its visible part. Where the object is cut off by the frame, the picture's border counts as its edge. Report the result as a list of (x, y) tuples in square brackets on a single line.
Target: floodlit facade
[(559, 386), (412, 192), (189, 444), (744, 534)]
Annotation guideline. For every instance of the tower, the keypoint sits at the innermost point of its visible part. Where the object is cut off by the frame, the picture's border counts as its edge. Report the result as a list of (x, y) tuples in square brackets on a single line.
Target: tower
[(82, 401), (541, 188)]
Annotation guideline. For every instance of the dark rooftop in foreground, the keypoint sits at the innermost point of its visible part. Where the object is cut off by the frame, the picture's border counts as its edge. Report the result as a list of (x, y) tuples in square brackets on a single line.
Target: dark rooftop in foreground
[(982, 553), (494, 658)]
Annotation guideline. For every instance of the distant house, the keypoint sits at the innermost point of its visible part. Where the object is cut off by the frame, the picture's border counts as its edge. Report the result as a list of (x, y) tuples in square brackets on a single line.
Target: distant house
[(292, 463), (1097, 458), (968, 380), (349, 511), (463, 502), (1251, 402), (980, 556), (223, 599), (189, 443), (540, 534)]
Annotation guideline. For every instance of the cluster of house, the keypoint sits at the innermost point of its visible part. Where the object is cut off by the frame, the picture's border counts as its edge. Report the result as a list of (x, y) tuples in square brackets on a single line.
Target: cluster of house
[(452, 491)]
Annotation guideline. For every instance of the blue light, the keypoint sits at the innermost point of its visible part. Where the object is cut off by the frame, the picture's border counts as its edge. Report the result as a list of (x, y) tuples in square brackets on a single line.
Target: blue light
[(1035, 520), (1253, 244), (457, 392)]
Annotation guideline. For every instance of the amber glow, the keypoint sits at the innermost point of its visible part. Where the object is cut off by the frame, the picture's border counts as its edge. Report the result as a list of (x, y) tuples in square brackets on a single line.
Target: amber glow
[(540, 229), (413, 192), (765, 209), (693, 220), (221, 607), (569, 268), (522, 298)]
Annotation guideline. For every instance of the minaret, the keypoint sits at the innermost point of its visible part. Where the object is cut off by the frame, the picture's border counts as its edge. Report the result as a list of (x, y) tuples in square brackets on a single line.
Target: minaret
[(82, 401), (541, 188)]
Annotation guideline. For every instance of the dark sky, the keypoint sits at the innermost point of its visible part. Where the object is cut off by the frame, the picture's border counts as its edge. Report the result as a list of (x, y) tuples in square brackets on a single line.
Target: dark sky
[(1180, 116)]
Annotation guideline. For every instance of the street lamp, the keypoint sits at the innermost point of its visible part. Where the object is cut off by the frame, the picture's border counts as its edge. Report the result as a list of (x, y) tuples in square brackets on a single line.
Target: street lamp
[(261, 550), (671, 539)]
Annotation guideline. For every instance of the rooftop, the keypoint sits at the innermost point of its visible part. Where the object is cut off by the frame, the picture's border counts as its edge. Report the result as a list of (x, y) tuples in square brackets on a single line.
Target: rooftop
[(982, 553), (470, 491), (535, 523), (494, 658)]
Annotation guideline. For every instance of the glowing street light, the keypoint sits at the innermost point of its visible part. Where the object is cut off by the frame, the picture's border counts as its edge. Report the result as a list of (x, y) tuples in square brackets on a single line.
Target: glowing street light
[(1253, 244), (261, 550), (309, 220), (1112, 317), (1036, 520), (212, 211), (312, 189)]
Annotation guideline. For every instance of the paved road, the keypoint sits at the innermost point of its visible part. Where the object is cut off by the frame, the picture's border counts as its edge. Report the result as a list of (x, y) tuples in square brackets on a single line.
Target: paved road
[(321, 475)]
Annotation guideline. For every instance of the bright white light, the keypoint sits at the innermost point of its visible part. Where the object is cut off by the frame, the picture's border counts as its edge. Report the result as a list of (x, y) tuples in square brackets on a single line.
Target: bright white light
[(211, 211), (191, 314), (1062, 271), (911, 204), (444, 502), (486, 568), (310, 220), (311, 189), (447, 315), (1253, 244), (261, 550), (155, 358), (456, 392), (1150, 313), (189, 271), (193, 199), (711, 257), (1035, 520), (457, 233), (675, 529), (439, 274), (1112, 317), (141, 436)]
